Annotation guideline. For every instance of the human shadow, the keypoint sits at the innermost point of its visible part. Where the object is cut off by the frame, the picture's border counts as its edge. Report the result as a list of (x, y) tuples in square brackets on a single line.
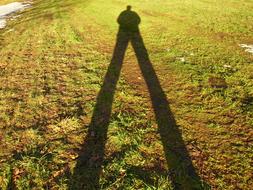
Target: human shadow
[(89, 165)]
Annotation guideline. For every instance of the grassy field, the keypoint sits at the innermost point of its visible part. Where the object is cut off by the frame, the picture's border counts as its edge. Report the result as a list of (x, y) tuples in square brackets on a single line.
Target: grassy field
[(64, 124)]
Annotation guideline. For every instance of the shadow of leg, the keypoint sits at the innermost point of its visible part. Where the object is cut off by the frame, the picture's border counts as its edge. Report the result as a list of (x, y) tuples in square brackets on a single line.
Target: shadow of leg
[(89, 165), (182, 172)]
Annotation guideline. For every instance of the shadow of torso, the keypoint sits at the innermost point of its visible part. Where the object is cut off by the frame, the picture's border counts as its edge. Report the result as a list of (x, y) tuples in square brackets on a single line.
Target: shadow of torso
[(129, 21)]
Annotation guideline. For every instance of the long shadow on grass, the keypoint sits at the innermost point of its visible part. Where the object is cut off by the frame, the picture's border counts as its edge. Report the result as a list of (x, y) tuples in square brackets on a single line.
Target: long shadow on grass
[(89, 166)]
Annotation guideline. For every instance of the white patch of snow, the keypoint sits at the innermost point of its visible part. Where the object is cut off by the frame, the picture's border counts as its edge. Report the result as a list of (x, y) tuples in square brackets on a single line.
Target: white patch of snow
[(8, 9), (182, 59), (248, 48), (227, 66), (2, 23)]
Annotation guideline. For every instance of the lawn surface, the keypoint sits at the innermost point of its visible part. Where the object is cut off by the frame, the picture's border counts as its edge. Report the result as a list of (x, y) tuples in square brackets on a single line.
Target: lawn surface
[(182, 118)]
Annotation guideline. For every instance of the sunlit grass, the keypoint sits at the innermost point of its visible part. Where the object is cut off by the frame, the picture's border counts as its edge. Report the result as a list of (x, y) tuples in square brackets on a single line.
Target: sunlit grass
[(52, 64)]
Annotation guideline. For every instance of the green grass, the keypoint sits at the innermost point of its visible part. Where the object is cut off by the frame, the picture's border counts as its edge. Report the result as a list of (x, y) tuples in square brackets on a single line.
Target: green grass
[(53, 60)]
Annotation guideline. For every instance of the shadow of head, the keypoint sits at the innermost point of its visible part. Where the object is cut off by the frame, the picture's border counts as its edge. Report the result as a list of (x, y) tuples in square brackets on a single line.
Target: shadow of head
[(129, 20)]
